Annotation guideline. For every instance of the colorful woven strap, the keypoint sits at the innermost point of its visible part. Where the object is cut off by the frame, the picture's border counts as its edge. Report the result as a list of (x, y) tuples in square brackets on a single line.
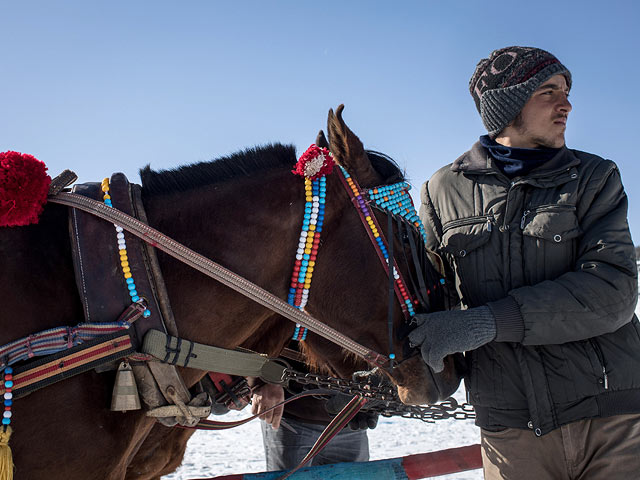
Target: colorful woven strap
[(53, 368), (55, 340)]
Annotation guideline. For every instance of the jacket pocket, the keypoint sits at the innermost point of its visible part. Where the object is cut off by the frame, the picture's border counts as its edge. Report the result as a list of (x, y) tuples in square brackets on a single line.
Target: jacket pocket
[(464, 235), (463, 241), (550, 234)]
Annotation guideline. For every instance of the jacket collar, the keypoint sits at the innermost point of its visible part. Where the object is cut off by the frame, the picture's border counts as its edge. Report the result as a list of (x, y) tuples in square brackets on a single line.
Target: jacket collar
[(479, 161)]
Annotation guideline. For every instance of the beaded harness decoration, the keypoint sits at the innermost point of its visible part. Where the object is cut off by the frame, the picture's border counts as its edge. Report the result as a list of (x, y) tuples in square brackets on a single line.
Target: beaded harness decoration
[(396, 200), (375, 232), (122, 250), (314, 165), (8, 397)]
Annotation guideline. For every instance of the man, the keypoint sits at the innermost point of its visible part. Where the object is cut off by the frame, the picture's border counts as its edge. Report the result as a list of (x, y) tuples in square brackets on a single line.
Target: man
[(537, 242), (289, 431)]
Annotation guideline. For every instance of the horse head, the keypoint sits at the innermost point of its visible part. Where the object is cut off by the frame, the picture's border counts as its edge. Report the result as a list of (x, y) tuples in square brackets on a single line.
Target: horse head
[(367, 284)]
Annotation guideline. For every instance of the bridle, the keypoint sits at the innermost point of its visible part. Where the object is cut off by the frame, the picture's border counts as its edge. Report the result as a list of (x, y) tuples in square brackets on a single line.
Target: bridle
[(394, 201)]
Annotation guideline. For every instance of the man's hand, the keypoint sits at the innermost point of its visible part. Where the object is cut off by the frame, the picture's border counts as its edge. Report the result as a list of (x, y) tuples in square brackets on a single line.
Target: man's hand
[(265, 397), (442, 333)]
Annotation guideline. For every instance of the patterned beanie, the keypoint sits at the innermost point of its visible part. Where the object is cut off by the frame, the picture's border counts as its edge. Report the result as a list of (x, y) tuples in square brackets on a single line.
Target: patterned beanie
[(503, 83)]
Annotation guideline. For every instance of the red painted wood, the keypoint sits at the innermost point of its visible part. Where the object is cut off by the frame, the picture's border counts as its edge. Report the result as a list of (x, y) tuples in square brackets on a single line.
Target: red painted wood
[(442, 462)]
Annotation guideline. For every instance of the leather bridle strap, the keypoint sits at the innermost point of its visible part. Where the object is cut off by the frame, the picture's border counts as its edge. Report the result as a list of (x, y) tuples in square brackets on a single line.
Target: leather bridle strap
[(217, 272), (383, 261)]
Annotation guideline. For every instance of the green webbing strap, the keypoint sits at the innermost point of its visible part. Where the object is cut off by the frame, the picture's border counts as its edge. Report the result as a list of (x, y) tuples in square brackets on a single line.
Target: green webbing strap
[(185, 353)]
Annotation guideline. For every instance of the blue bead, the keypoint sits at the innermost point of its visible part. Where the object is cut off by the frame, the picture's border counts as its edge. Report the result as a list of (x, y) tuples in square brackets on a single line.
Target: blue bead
[(442, 281), (146, 313), (8, 402), (6, 421), (135, 299), (8, 370), (129, 280), (306, 256), (133, 293), (8, 383), (131, 286), (392, 356)]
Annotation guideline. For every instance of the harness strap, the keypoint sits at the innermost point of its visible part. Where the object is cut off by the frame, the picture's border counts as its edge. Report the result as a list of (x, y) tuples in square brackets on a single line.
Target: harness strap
[(420, 290), (185, 353), (217, 272), (65, 364), (352, 191), (59, 339)]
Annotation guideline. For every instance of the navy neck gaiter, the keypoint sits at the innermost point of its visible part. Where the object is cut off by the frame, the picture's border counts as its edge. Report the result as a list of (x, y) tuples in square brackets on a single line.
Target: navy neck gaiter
[(516, 162)]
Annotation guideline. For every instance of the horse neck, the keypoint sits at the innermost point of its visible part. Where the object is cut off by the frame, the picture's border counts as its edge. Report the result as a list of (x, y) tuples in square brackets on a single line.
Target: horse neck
[(37, 277), (249, 225)]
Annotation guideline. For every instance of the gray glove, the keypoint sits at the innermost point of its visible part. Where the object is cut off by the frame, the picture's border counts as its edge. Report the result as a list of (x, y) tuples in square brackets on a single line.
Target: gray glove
[(442, 333)]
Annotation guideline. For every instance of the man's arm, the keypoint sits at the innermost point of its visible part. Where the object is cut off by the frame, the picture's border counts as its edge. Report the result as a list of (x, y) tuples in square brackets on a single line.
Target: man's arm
[(600, 294)]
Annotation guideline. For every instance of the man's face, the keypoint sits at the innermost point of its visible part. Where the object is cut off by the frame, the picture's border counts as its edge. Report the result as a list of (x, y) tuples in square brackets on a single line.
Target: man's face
[(543, 119)]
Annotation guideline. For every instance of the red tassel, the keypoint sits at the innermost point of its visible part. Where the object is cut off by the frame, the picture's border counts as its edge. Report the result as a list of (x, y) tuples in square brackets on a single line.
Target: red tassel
[(24, 185), (316, 162)]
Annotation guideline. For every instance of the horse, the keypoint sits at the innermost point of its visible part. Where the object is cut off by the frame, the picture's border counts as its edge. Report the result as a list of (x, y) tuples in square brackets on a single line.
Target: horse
[(242, 211)]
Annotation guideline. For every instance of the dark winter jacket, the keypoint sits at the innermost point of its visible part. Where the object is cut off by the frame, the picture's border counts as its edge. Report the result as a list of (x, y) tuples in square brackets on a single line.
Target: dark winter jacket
[(552, 256)]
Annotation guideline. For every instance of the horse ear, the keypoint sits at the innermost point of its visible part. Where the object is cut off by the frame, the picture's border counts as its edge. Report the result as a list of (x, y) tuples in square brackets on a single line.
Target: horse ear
[(321, 140), (348, 151)]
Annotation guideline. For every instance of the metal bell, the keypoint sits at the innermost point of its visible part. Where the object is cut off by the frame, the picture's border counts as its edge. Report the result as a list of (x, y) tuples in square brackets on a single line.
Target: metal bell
[(125, 392)]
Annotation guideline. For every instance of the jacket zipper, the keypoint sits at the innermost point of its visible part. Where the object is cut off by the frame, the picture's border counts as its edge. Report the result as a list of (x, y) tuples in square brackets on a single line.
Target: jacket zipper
[(596, 348), (469, 221), (543, 208)]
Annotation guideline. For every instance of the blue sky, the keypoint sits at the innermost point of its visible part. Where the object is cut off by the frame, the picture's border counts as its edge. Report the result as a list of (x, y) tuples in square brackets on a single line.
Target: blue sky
[(100, 87)]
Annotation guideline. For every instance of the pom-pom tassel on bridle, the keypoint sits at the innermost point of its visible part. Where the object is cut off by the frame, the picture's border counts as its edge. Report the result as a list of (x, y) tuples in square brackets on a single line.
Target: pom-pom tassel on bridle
[(6, 459)]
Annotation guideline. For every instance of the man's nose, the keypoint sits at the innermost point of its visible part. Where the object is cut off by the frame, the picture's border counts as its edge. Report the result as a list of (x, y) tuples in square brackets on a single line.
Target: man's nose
[(565, 105)]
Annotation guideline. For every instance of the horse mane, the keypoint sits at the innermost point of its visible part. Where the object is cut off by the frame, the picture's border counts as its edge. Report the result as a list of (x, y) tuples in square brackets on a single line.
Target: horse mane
[(386, 166), (246, 162)]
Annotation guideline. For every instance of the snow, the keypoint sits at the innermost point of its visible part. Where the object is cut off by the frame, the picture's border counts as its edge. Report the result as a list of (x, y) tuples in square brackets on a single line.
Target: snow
[(239, 450)]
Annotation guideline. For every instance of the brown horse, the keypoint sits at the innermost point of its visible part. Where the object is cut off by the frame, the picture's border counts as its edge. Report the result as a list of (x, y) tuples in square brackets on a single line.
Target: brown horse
[(243, 212)]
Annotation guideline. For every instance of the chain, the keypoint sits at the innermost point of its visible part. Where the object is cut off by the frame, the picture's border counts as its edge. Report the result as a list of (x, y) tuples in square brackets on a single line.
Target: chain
[(383, 398)]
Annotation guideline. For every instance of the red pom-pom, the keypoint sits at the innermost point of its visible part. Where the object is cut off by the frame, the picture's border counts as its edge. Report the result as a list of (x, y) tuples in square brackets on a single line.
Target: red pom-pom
[(24, 185), (316, 162)]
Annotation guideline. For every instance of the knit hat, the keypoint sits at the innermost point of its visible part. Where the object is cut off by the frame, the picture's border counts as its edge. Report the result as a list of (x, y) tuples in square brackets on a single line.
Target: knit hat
[(503, 83)]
